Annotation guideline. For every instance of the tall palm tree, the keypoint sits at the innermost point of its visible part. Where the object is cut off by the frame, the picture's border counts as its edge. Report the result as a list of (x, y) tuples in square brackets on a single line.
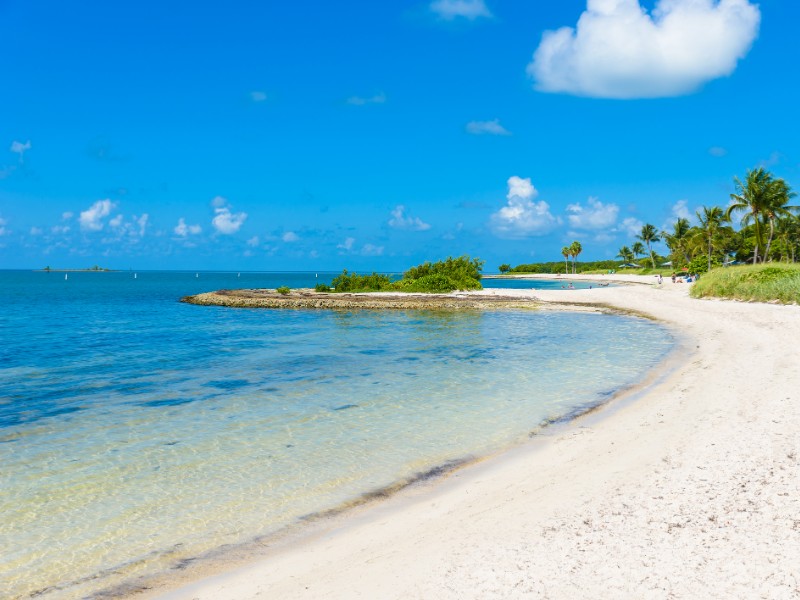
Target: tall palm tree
[(753, 196), (788, 232), (575, 249), (711, 220), (566, 252), (638, 250), (649, 235), (625, 254), (677, 241), (777, 208)]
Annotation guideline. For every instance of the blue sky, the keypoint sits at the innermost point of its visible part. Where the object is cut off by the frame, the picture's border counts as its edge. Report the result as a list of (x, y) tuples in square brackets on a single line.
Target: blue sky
[(374, 135)]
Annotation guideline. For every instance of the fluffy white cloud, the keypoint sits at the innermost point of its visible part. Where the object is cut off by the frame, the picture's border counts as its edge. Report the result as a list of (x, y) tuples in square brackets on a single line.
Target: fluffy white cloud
[(290, 236), (400, 220), (347, 244), (184, 230), (20, 148), (452, 9), (225, 221), (142, 223), (116, 222), (680, 210), (253, 241), (492, 127), (379, 98), (91, 219), (619, 50), (371, 250), (630, 226), (595, 215), (522, 216)]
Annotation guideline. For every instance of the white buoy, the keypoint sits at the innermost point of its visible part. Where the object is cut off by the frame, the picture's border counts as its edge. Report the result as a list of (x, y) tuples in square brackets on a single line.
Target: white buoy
[(197, 275), (66, 276), (135, 275)]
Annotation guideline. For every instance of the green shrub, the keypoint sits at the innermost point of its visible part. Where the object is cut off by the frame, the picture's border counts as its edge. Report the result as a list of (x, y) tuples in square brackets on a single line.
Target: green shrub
[(283, 290), (322, 287), (353, 282), (761, 283)]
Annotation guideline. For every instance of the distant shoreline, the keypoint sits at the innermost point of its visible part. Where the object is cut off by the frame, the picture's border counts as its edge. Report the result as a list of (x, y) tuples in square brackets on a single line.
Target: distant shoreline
[(75, 270)]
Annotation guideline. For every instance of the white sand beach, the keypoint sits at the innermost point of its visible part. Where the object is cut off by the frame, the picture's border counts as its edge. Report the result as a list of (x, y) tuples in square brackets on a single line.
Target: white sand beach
[(689, 489)]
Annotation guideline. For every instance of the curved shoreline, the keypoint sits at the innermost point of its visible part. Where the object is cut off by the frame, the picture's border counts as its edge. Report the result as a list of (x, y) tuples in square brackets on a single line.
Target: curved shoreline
[(678, 486)]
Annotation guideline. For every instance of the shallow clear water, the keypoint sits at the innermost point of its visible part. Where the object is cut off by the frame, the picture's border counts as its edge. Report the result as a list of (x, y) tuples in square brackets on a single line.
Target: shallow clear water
[(538, 284), (136, 431)]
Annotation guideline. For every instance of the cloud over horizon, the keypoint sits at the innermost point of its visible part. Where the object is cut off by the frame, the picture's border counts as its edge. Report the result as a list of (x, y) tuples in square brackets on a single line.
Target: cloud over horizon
[(619, 50), (453, 9), (522, 216), (595, 215), (91, 219), (225, 221), (400, 220), (492, 127)]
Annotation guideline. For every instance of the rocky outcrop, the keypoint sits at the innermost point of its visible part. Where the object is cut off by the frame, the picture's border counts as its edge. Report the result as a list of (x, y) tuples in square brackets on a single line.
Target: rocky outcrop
[(307, 298)]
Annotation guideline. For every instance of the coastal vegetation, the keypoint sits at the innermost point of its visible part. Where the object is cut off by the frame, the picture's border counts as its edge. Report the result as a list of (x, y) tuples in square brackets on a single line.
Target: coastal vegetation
[(768, 232), (462, 273), (774, 282), (283, 290)]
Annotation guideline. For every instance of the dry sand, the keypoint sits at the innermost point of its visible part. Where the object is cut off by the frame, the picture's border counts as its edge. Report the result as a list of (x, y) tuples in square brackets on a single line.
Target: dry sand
[(691, 490)]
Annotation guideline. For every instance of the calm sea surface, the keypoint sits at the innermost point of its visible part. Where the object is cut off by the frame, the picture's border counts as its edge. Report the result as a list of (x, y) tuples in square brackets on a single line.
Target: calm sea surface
[(137, 432)]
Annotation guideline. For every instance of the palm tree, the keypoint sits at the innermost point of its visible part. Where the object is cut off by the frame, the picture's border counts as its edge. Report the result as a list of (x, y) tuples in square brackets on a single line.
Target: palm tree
[(780, 194), (625, 254), (753, 195), (637, 250), (575, 249), (677, 240), (788, 232), (566, 252), (649, 235), (711, 220)]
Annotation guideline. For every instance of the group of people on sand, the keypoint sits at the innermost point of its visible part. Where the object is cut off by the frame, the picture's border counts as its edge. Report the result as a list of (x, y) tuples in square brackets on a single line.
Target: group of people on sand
[(681, 278)]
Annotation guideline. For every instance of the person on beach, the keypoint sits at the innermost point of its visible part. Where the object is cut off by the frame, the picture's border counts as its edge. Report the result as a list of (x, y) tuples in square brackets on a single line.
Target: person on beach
[(572, 287), (673, 278)]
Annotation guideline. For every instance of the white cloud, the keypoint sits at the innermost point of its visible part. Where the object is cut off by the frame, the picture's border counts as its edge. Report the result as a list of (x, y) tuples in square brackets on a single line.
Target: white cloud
[(378, 98), (116, 222), (225, 221), (400, 220), (253, 241), (631, 226), (257, 96), (717, 151), (60, 229), (521, 216), (67, 216), (142, 223), (36, 231), (347, 244), (20, 148), (184, 230), (290, 236), (680, 210), (452, 9), (371, 250), (619, 50), (595, 215), (91, 219), (492, 127)]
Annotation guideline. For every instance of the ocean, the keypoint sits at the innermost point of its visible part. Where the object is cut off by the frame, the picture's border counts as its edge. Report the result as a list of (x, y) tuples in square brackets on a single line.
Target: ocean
[(137, 432)]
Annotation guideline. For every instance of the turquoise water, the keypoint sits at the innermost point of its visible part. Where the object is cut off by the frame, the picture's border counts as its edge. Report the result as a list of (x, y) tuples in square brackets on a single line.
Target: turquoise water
[(538, 284), (137, 432)]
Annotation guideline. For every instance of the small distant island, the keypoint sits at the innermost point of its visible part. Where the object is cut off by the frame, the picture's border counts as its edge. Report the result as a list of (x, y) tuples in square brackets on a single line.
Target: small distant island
[(94, 269)]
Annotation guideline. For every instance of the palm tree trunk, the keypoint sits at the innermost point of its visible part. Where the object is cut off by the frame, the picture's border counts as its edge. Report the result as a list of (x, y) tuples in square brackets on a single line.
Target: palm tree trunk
[(769, 240), (709, 252)]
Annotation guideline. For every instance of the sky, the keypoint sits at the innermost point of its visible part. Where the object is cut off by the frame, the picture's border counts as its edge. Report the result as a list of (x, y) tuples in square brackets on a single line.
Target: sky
[(318, 135)]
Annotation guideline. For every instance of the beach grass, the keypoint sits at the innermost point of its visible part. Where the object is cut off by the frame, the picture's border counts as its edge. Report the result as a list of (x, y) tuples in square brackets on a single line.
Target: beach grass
[(773, 282)]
